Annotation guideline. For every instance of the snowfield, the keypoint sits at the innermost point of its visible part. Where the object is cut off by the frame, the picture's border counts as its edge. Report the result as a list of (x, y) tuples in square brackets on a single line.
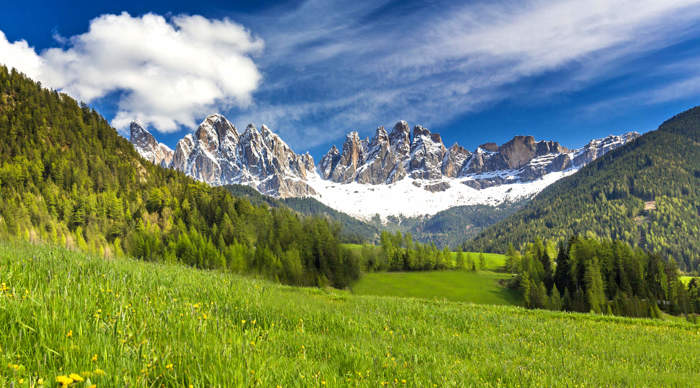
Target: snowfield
[(406, 198)]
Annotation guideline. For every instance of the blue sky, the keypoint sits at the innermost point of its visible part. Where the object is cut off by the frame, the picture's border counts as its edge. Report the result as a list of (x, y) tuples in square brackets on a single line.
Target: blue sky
[(313, 70)]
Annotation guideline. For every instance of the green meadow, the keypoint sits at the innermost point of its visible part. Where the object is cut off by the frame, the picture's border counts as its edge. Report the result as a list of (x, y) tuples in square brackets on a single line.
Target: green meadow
[(482, 287), (119, 322)]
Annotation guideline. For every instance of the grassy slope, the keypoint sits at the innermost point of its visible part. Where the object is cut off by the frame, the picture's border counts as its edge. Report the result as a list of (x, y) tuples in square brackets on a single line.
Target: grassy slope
[(460, 286), (218, 329)]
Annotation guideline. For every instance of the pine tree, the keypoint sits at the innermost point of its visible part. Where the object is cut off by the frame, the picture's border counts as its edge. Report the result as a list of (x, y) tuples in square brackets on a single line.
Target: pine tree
[(555, 299), (595, 294), (459, 261)]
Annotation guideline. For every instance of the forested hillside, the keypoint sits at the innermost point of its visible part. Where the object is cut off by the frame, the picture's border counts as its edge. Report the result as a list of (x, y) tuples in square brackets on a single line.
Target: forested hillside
[(646, 193), (352, 230), (608, 277), (449, 228), (67, 177)]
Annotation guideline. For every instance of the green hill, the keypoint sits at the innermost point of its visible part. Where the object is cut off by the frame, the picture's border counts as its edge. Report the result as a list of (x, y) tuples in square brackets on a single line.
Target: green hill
[(646, 193), (123, 322), (68, 178)]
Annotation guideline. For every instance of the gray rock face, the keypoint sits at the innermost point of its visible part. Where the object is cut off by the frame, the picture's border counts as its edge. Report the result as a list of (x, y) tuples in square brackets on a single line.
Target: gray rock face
[(453, 161), (147, 146), (217, 154), (598, 147)]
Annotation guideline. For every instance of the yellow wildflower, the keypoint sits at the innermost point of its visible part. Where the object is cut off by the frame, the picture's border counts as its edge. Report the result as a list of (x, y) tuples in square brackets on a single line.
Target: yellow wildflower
[(64, 380), (76, 377), (169, 366), (69, 334), (99, 372), (40, 381), (94, 358)]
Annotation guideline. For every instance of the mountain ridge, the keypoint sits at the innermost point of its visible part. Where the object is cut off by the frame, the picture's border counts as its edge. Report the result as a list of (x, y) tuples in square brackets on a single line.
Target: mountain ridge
[(392, 166)]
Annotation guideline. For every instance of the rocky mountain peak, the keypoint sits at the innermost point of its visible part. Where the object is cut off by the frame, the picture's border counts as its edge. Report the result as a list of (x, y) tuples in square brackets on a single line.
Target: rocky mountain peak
[(400, 139), (490, 147), (328, 162), (140, 137), (148, 147), (427, 152)]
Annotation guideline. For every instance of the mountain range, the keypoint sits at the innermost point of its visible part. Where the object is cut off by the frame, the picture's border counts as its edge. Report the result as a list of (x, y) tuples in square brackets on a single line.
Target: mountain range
[(376, 176)]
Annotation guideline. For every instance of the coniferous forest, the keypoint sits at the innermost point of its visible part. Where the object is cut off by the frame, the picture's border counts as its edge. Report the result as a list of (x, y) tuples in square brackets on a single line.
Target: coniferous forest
[(68, 178), (608, 277), (645, 193)]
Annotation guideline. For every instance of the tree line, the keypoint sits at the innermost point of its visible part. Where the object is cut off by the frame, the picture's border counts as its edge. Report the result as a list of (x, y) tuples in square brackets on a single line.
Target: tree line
[(601, 276), (399, 252)]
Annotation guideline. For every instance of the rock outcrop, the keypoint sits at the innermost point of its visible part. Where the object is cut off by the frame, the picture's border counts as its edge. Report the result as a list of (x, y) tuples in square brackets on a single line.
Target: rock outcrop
[(148, 147)]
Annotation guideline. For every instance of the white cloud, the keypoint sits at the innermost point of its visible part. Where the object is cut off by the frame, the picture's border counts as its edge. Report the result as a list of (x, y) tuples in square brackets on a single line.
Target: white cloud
[(167, 72), (19, 55)]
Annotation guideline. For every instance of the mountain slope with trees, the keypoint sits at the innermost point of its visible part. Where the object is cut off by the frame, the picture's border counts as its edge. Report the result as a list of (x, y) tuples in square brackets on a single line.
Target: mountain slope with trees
[(352, 230), (68, 178), (646, 193)]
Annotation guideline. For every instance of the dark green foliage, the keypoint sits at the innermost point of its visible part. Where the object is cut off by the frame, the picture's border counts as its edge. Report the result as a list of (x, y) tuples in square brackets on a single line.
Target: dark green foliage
[(607, 277), (68, 178), (398, 252), (646, 193)]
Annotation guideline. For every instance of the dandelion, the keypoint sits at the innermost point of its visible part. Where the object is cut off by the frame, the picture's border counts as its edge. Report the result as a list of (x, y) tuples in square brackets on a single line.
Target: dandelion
[(94, 358), (76, 377), (64, 380), (169, 367), (69, 334)]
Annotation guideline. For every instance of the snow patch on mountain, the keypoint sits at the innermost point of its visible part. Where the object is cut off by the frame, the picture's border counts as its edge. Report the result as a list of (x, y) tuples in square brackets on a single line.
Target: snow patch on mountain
[(410, 198)]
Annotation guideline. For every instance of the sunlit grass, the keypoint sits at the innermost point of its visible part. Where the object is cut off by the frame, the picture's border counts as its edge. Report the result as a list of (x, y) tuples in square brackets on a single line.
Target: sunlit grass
[(127, 323), (476, 287)]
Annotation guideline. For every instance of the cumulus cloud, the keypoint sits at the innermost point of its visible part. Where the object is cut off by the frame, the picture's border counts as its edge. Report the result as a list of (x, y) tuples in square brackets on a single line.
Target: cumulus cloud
[(166, 72), (19, 55)]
